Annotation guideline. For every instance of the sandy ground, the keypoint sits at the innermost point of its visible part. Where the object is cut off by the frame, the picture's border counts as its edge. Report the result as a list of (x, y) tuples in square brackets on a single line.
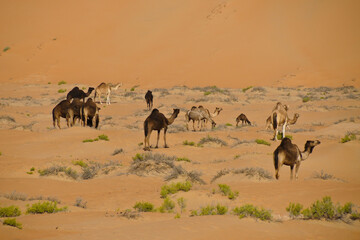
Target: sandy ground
[(283, 51)]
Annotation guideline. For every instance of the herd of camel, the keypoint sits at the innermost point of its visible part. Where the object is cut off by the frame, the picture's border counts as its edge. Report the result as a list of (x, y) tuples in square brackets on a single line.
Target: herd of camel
[(74, 107)]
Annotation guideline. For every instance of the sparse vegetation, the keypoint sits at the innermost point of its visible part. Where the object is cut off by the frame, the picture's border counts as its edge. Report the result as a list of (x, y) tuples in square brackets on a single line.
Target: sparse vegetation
[(294, 209), (207, 93), (249, 210), (258, 173), (261, 141), (61, 90), (183, 159), (247, 88), (6, 49), (11, 211), (45, 207), (177, 216), (187, 143), (279, 136), (213, 210), (52, 199), (182, 203), (117, 151), (167, 206), (100, 137), (348, 137), (80, 202), (12, 222), (134, 87), (139, 157), (144, 207), (306, 99), (226, 191), (323, 176), (61, 82), (228, 124), (210, 139), (80, 163), (128, 214), (103, 137), (174, 188)]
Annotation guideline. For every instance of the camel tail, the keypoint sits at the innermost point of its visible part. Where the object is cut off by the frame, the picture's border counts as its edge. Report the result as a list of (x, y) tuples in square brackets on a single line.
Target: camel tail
[(276, 159), (274, 120)]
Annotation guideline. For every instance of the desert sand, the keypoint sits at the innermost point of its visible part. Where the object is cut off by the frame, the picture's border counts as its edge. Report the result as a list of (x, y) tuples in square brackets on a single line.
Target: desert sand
[(242, 56)]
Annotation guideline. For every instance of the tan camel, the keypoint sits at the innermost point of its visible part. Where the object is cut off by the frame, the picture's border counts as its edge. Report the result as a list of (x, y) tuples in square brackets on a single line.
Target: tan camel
[(74, 112), (289, 154), (149, 99), (90, 114), (290, 122), (77, 93), (243, 120), (105, 88), (279, 118), (195, 114), (60, 110), (207, 115), (157, 121)]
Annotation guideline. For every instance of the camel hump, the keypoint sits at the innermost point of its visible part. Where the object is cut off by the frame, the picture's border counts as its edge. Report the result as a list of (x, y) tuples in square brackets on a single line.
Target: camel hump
[(285, 141), (154, 111)]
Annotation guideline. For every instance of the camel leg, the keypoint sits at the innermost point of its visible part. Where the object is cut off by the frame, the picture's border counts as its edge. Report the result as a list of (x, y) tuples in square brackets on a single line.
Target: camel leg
[(275, 134), (58, 122), (296, 170), (108, 98), (193, 125), (284, 126), (157, 141), (291, 172), (165, 146), (237, 123)]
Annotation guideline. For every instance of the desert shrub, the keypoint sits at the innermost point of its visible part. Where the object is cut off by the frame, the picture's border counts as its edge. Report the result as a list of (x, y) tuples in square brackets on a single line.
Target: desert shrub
[(52, 199), (80, 203), (220, 173), (128, 214), (32, 169), (103, 137), (16, 196), (210, 139), (177, 216), (12, 222), (30, 173), (322, 175), (61, 90), (174, 188), (306, 99), (348, 138), (249, 210), (11, 211), (139, 157), (117, 151), (257, 172), (187, 143), (355, 216), (261, 141), (228, 124), (134, 87), (80, 163), (183, 159), (207, 93), (226, 191), (144, 207), (247, 88), (87, 140), (45, 207), (6, 49), (53, 170), (61, 82), (279, 136), (221, 210), (167, 206), (294, 209), (208, 210), (89, 172), (193, 213), (182, 203)]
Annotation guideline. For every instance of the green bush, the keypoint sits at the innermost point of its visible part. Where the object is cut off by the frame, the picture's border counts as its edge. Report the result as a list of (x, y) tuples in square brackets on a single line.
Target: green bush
[(177, 216), (348, 138), (6, 49), (61, 90), (183, 159), (247, 88), (174, 188), (138, 156), (249, 210), (45, 207), (32, 169), (182, 203), (12, 222), (208, 210), (355, 216), (228, 124), (186, 143), (103, 137), (294, 209), (144, 207), (11, 211), (80, 163), (88, 140), (193, 213), (167, 206), (221, 210), (61, 82), (261, 141), (306, 99), (207, 93)]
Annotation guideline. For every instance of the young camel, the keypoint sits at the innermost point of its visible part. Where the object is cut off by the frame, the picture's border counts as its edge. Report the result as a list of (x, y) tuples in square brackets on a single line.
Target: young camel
[(149, 99), (60, 110), (243, 120), (90, 113), (157, 121), (105, 88), (289, 154), (77, 93), (74, 112), (280, 118), (196, 115), (207, 115)]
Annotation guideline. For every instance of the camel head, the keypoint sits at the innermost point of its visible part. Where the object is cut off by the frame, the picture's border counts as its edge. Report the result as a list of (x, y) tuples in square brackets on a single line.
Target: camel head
[(201, 107), (213, 124), (193, 108), (176, 112), (309, 145), (218, 110), (90, 89)]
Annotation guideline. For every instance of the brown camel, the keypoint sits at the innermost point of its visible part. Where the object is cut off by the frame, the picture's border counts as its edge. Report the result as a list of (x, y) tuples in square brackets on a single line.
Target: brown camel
[(157, 121), (74, 111), (149, 99), (90, 113), (289, 154), (77, 93), (106, 88), (243, 120), (60, 110)]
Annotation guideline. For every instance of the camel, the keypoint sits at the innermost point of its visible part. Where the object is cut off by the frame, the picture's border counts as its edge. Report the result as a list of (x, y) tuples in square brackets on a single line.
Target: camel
[(157, 121), (106, 88), (280, 118), (149, 99), (90, 112), (77, 93), (243, 120), (195, 114), (289, 154), (289, 122), (74, 112), (60, 110), (208, 115)]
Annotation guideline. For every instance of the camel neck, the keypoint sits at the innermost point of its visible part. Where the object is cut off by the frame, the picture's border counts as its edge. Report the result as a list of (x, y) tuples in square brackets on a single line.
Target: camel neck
[(171, 119)]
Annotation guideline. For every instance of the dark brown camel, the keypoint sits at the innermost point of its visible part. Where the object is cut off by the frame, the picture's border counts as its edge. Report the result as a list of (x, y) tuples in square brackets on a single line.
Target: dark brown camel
[(157, 121), (243, 120), (149, 99), (90, 112), (60, 110), (77, 93), (289, 154)]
